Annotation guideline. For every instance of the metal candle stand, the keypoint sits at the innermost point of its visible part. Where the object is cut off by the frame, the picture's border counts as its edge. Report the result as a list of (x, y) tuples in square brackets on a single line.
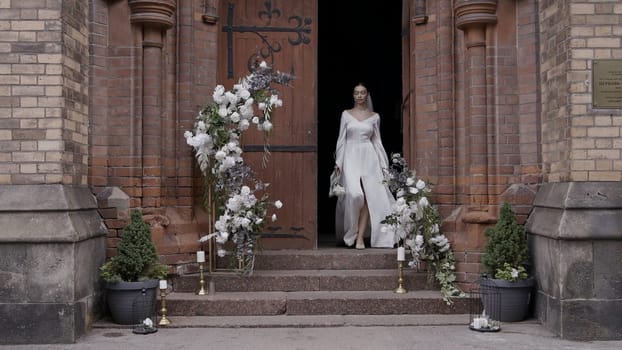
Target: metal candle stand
[(202, 290), (164, 321), (400, 281)]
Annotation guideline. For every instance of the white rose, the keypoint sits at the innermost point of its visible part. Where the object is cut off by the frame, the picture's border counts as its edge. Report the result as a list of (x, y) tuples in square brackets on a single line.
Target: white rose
[(245, 190), (243, 125), (278, 204), (420, 184)]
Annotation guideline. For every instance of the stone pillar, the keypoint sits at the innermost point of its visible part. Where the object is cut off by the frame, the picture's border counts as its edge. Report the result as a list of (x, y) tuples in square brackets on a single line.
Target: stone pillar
[(473, 17), (154, 17), (52, 239), (576, 245)]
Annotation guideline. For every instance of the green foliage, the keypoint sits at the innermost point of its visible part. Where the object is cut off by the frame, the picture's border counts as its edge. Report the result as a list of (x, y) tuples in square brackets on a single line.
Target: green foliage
[(506, 244), (136, 258), (510, 273)]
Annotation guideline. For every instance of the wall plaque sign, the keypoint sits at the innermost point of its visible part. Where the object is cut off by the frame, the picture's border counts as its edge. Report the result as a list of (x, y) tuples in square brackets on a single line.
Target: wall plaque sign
[(607, 84)]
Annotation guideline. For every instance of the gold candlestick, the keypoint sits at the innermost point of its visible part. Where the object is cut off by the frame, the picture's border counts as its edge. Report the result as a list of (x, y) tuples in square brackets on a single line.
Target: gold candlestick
[(202, 290), (164, 321), (400, 281)]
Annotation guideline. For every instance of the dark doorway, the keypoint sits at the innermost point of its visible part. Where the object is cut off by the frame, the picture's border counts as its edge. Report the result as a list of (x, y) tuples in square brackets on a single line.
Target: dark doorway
[(358, 41)]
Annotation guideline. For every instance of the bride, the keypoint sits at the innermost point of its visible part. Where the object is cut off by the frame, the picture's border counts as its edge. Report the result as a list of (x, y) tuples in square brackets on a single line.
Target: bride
[(361, 158)]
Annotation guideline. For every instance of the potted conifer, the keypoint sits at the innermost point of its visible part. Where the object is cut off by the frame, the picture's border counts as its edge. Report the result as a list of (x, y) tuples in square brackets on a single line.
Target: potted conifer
[(506, 286), (132, 275)]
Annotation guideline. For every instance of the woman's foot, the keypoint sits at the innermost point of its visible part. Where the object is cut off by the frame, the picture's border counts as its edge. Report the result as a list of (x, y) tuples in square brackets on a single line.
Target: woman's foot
[(360, 244)]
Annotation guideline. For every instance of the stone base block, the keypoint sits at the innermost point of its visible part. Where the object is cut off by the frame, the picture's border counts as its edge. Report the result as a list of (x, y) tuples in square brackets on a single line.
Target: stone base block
[(52, 243), (575, 243)]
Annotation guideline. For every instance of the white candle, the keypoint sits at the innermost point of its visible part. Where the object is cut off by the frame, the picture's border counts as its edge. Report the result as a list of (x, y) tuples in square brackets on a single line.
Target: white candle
[(483, 322), (201, 256), (162, 284), (477, 323), (401, 254)]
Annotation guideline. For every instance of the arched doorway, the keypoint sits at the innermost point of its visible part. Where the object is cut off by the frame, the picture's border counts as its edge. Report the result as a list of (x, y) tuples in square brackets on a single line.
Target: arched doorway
[(358, 41)]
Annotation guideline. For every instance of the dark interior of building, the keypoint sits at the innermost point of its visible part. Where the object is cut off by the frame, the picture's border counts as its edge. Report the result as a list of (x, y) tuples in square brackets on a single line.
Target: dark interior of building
[(358, 41)]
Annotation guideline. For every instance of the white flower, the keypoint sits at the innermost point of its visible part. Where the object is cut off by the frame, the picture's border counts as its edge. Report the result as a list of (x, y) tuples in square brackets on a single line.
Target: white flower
[(423, 202), (278, 204), (339, 190), (148, 322), (244, 93), (419, 240), (245, 190), (514, 273), (188, 134), (218, 94), (244, 124), (274, 101), (261, 106), (235, 117), (255, 120), (222, 111), (231, 97), (263, 64), (267, 126), (413, 190), (220, 155), (420, 184), (410, 181), (273, 217)]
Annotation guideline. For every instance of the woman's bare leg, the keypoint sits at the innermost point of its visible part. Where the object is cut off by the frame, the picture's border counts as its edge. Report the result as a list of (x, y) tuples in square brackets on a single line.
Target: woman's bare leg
[(363, 218)]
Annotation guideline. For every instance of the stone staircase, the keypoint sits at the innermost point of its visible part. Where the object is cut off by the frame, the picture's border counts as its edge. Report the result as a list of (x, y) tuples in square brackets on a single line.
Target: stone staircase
[(310, 283)]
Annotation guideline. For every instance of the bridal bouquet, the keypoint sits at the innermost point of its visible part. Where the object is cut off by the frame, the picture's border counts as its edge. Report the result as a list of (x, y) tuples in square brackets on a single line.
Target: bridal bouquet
[(416, 225)]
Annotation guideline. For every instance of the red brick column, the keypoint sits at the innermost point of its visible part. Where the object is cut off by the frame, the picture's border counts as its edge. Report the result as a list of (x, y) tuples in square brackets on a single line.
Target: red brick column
[(472, 17), (155, 17)]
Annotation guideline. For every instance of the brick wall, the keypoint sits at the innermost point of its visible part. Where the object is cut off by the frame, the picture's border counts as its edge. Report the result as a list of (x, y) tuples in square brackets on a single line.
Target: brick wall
[(43, 104), (580, 143)]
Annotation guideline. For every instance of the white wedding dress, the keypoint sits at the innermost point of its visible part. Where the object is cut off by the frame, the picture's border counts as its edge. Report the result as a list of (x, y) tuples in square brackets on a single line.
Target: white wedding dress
[(361, 157)]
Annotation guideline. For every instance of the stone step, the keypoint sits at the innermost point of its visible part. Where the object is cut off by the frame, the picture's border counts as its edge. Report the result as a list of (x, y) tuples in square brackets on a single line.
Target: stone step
[(322, 259), (385, 302), (306, 280)]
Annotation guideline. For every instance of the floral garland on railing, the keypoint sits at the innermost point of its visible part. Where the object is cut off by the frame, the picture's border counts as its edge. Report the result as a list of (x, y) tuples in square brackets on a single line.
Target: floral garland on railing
[(232, 184), (416, 224)]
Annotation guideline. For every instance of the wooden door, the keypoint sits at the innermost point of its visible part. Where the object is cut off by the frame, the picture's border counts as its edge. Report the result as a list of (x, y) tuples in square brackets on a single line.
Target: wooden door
[(282, 33)]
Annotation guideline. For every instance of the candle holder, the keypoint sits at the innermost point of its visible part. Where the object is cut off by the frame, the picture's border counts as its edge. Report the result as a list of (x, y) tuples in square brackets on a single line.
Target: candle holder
[(164, 321), (400, 280), (202, 290)]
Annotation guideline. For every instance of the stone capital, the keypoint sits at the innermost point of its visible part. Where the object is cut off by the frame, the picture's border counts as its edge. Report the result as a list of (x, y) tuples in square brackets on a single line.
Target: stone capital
[(153, 13), (475, 13)]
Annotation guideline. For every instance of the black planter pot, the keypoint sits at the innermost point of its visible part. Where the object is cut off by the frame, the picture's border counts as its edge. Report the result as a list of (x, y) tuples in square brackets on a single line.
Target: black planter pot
[(506, 301), (131, 302)]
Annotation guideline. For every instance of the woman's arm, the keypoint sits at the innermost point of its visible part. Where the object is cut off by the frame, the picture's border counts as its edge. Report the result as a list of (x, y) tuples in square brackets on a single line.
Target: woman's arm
[(377, 142), (341, 143)]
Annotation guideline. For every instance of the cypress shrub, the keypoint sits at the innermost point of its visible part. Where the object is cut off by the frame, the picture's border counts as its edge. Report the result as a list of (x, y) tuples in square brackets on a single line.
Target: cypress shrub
[(136, 258), (506, 245)]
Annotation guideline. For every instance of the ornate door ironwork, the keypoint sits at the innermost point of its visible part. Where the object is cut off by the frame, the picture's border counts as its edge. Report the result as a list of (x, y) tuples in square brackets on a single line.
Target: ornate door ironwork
[(301, 28)]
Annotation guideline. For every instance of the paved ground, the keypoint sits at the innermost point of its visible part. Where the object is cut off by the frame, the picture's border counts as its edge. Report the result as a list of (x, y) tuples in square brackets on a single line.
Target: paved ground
[(325, 333)]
